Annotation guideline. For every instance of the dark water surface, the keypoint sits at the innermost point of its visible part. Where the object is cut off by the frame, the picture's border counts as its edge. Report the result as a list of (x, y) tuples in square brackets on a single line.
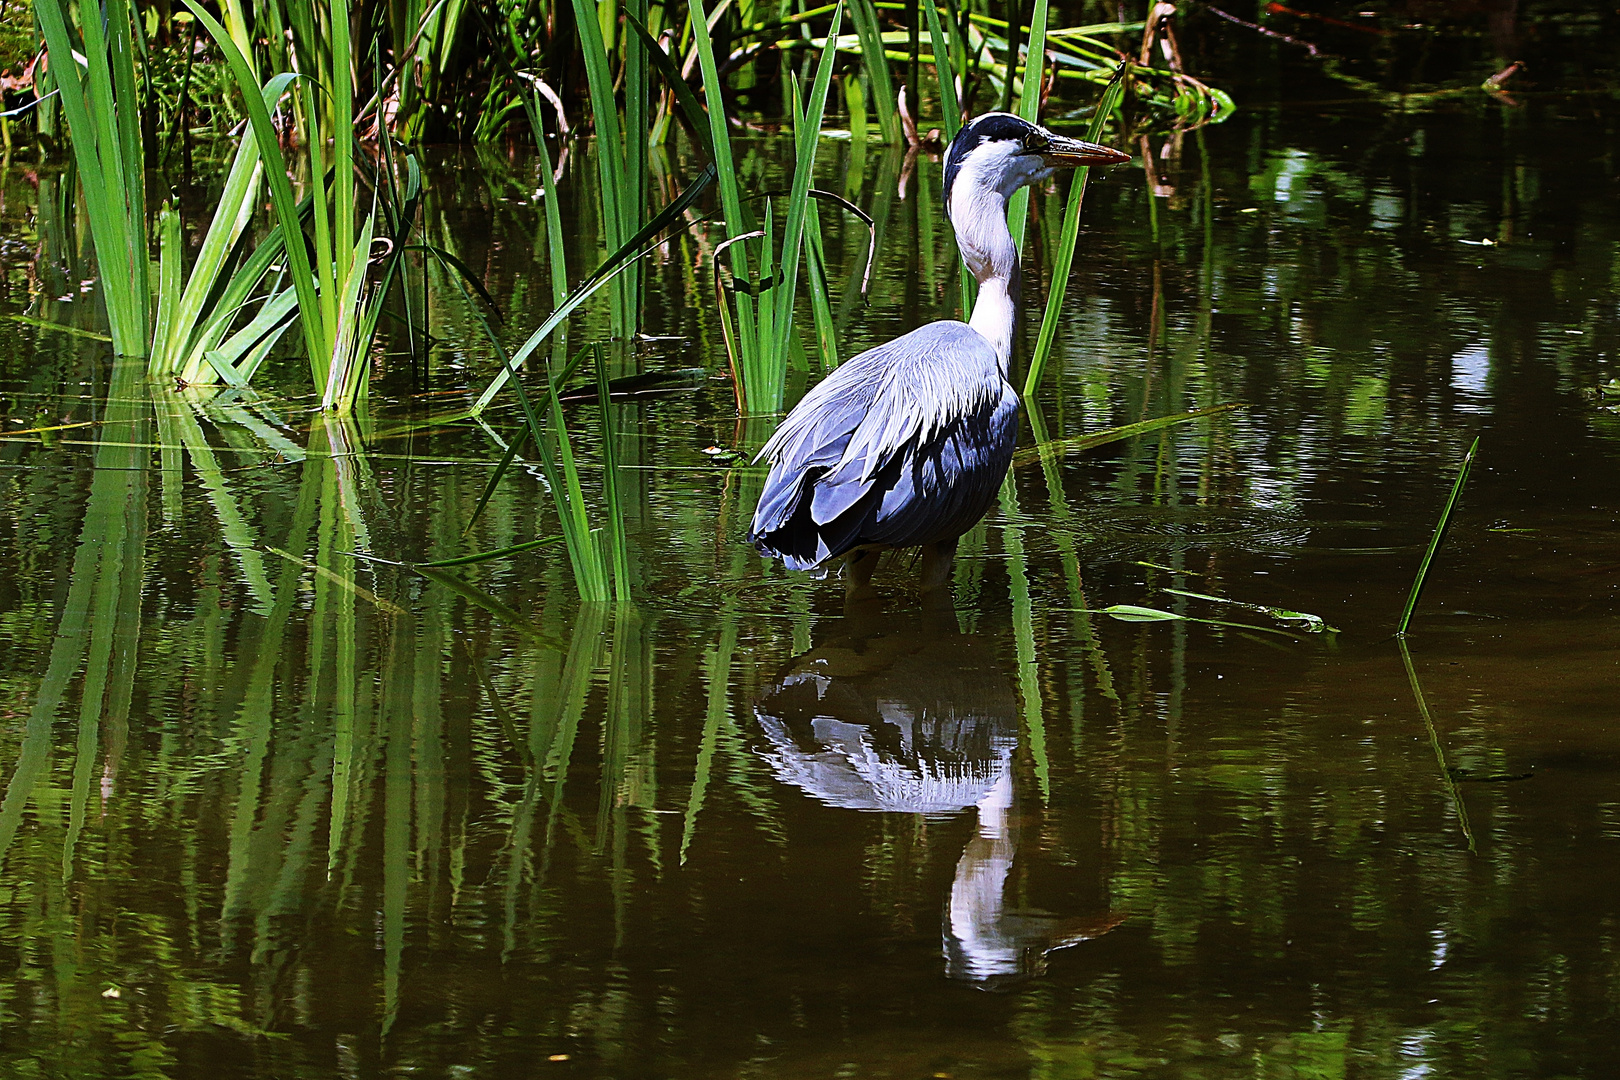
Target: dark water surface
[(271, 812)]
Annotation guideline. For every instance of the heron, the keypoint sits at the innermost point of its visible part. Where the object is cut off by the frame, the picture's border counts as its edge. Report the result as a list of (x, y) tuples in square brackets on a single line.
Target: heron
[(906, 444)]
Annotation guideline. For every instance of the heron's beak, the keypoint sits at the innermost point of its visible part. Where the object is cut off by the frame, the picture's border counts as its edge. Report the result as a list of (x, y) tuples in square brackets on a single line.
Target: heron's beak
[(1072, 153)]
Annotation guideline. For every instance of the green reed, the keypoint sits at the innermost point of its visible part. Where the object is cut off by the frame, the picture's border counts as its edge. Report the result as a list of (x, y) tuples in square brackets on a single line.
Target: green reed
[(1437, 538), (1063, 256), (763, 342), (338, 308), (874, 58), (193, 338), (621, 146), (102, 109)]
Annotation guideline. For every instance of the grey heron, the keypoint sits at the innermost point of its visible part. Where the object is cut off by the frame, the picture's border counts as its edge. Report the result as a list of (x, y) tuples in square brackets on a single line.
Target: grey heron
[(906, 445)]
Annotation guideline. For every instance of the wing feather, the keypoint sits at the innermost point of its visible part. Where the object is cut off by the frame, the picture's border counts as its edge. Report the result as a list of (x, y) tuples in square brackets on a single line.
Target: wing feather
[(904, 444)]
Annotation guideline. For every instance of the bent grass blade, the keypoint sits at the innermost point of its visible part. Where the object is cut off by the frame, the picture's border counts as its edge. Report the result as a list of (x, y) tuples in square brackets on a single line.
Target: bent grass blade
[(1077, 443), (1314, 624), (1138, 614)]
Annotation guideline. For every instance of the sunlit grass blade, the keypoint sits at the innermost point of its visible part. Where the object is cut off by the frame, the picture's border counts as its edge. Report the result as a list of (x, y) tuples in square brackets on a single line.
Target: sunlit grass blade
[(1437, 539), (182, 314), (1313, 624), (105, 127), (259, 104), (1135, 613), (253, 341), (618, 551)]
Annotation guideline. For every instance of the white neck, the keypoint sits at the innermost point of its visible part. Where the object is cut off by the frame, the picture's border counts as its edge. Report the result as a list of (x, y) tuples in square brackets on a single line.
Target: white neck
[(979, 213)]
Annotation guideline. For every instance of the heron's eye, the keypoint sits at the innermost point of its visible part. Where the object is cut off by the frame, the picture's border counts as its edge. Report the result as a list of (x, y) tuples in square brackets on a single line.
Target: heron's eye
[(1035, 142)]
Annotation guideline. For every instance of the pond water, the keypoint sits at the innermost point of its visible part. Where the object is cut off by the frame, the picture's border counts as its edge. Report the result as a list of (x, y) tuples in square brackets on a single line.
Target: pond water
[(273, 811)]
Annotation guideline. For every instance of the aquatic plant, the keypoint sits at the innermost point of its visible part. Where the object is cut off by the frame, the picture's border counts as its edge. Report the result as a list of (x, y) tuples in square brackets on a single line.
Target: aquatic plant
[(338, 308), (1437, 538), (102, 109), (1063, 257), (761, 345)]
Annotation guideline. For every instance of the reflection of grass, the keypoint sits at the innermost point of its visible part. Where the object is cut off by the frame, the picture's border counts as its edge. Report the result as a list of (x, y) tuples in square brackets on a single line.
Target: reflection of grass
[(99, 621), (1446, 774)]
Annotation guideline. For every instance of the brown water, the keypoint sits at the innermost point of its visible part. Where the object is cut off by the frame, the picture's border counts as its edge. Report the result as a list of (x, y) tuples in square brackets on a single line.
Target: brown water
[(293, 815)]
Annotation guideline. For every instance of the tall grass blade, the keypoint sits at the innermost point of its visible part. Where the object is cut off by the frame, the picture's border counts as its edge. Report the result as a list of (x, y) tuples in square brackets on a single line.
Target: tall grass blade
[(945, 71), (864, 15), (738, 223), (618, 547), (259, 104), (1029, 103), (807, 135), (105, 128), (618, 216), (182, 314), (1437, 539)]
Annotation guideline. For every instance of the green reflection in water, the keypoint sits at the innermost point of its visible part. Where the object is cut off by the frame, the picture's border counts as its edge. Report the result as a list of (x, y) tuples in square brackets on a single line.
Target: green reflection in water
[(293, 814)]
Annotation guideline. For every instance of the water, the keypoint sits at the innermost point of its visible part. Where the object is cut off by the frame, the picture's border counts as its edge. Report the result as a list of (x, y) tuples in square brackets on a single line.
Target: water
[(287, 815)]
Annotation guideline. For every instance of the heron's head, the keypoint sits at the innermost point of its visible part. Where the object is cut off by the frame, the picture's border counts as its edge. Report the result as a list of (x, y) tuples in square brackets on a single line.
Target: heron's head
[(1002, 152)]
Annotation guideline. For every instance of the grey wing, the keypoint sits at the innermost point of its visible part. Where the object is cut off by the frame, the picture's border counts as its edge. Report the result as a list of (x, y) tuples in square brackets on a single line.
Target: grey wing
[(905, 444)]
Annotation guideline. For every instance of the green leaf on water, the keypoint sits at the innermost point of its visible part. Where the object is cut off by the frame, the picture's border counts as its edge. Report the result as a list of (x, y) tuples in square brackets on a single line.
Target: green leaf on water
[(1137, 614), (1314, 624), (1134, 613)]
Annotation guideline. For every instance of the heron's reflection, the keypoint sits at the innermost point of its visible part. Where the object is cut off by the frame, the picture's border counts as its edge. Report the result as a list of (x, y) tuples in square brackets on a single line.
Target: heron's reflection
[(896, 717)]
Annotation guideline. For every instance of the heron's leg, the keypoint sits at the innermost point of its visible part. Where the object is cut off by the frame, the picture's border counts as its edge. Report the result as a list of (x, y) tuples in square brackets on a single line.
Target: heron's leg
[(858, 567), (936, 564)]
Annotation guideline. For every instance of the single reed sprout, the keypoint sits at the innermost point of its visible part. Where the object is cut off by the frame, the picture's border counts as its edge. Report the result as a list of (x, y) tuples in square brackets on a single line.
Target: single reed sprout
[(1437, 538)]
